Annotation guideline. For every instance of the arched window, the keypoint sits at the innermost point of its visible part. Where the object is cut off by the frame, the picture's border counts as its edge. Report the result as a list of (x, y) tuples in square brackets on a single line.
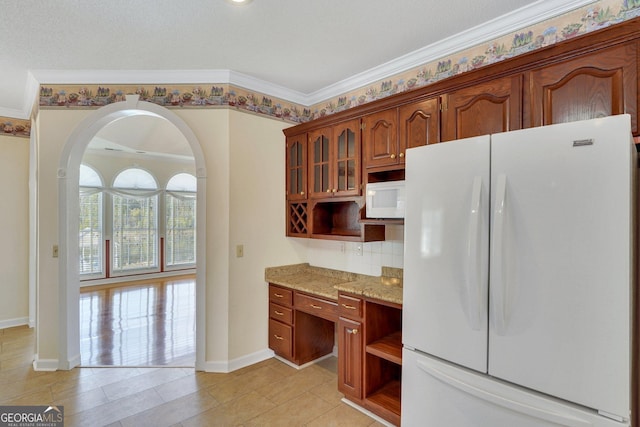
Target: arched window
[(180, 202), (90, 234), (135, 221)]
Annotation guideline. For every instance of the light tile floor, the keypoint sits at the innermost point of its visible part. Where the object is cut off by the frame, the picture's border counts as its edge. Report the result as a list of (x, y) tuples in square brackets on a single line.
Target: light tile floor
[(269, 393)]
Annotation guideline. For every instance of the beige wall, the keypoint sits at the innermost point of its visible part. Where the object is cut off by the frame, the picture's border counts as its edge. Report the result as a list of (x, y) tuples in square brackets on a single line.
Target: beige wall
[(244, 156), (258, 223), (14, 231)]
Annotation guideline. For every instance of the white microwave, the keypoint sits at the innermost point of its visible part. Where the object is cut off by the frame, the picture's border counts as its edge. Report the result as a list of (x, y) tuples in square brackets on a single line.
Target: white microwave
[(385, 199)]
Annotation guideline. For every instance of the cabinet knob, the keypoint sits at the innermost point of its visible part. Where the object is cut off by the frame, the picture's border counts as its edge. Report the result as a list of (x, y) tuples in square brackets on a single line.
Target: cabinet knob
[(401, 155), (393, 156), (278, 295), (354, 331), (334, 190), (317, 307), (328, 190), (279, 313), (278, 337), (302, 193), (349, 307)]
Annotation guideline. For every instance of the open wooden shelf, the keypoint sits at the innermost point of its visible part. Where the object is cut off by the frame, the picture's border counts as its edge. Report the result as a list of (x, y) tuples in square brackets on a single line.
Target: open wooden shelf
[(382, 221), (388, 348), (386, 401)]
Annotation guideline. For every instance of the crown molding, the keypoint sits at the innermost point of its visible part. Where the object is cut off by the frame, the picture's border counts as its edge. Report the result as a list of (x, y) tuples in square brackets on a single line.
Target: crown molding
[(498, 27), (524, 17)]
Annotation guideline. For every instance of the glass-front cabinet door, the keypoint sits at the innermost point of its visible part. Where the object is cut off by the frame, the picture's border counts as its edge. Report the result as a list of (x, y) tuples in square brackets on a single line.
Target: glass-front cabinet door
[(297, 167), (319, 163), (346, 173)]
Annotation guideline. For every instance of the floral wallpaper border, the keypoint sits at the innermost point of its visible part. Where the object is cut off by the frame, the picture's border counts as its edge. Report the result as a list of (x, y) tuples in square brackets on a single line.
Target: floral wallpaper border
[(602, 14)]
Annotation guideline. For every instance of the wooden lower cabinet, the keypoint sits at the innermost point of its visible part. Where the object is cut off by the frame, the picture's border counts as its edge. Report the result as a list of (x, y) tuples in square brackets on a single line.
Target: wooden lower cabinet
[(350, 358), (370, 354), (302, 328), (280, 339)]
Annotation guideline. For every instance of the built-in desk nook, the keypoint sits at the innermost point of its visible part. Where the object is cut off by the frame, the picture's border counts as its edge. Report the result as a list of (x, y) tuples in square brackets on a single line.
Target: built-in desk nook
[(313, 310)]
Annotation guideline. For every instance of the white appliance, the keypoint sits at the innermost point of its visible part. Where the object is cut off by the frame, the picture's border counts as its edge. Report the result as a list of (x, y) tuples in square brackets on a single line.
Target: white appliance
[(385, 199), (518, 278)]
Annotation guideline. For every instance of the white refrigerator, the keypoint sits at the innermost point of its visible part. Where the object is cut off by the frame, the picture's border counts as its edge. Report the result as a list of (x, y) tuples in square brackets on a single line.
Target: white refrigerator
[(518, 277)]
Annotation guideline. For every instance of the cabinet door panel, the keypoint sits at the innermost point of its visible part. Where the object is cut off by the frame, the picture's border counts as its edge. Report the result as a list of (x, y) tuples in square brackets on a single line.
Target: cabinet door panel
[(419, 125), (297, 167), (380, 138), (491, 107), (350, 358), (319, 161), (600, 84), (346, 137)]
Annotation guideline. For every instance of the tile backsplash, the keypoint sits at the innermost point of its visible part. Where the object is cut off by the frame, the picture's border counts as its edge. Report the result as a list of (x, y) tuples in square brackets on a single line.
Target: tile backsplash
[(356, 257)]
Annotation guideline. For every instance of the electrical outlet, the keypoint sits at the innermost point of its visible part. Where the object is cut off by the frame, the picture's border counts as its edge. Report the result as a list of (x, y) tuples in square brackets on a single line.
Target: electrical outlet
[(55, 251), (239, 251)]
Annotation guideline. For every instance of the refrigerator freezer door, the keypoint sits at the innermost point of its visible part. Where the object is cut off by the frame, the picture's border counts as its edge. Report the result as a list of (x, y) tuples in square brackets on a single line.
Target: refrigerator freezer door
[(446, 251), (560, 270), (435, 393)]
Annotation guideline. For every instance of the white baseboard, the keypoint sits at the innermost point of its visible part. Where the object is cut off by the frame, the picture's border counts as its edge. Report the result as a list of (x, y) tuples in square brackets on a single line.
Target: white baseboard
[(239, 363), (45, 364), (367, 412), (10, 323), (71, 363), (313, 362)]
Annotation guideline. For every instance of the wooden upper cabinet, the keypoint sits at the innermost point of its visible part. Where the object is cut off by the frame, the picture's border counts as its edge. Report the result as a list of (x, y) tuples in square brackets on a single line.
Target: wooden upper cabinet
[(380, 138), (347, 169), (598, 84), (419, 125), (319, 160), (334, 160), (296, 159), (489, 107)]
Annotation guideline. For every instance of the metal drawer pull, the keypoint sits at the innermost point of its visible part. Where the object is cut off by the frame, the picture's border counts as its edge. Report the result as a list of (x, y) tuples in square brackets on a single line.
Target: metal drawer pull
[(278, 337), (278, 295), (316, 306), (348, 307), (354, 331), (279, 313)]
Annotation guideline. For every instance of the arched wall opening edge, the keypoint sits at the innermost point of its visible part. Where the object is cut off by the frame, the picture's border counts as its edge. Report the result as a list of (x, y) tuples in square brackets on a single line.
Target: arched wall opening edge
[(68, 176)]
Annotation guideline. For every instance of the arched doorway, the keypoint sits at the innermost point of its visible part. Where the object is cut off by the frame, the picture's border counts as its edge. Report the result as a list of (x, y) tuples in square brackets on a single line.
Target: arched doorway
[(68, 187)]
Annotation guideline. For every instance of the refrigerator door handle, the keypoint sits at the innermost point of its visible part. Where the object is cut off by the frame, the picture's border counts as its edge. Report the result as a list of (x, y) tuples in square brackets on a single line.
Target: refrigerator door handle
[(474, 279), (498, 282), (504, 401)]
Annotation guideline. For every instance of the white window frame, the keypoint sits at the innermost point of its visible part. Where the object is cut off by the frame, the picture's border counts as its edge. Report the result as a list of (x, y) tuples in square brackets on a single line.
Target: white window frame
[(90, 185), (144, 188), (181, 187)]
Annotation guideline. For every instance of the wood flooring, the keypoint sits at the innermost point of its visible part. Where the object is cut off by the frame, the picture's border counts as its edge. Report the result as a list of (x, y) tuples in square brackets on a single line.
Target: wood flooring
[(269, 393), (145, 323), (149, 327)]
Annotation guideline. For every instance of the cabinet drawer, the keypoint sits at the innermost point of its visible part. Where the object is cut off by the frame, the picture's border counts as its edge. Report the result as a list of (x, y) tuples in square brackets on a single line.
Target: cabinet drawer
[(280, 338), (350, 307), (280, 313), (316, 306), (282, 296)]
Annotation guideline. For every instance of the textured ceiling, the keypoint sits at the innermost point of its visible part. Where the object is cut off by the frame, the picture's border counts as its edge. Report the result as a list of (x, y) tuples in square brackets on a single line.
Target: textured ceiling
[(301, 45)]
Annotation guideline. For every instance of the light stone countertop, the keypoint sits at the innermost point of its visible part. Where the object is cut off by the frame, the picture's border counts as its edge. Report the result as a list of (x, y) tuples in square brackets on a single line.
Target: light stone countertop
[(327, 283)]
